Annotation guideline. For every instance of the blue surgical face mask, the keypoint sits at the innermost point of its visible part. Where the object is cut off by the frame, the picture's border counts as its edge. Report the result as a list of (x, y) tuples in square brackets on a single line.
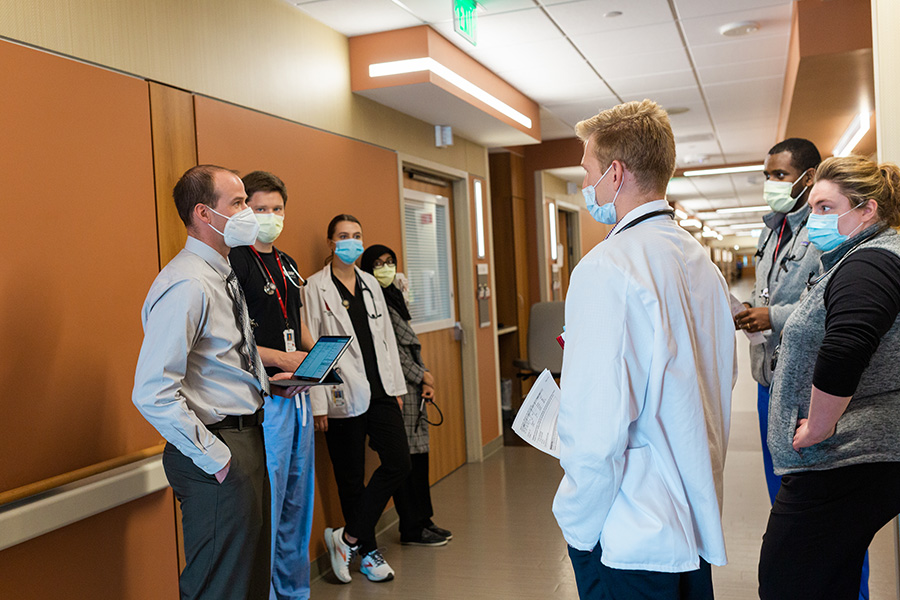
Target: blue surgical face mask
[(348, 250), (605, 214), (823, 230)]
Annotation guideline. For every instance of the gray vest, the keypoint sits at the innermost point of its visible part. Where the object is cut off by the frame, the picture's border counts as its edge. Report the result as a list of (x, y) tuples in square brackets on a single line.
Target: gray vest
[(783, 284), (869, 430)]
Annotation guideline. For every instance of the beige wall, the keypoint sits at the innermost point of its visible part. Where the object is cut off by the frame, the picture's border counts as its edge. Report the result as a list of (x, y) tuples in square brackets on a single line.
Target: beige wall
[(262, 54)]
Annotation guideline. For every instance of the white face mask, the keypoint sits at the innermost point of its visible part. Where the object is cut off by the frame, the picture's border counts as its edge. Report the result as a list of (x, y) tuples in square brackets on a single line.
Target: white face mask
[(270, 226), (240, 230)]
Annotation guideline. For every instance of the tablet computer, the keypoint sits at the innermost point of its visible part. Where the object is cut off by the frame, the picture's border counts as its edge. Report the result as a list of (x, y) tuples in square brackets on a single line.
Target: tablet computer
[(318, 366)]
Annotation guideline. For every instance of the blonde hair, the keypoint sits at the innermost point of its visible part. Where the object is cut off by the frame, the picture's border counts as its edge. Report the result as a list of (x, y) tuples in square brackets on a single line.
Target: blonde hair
[(638, 134), (862, 180)]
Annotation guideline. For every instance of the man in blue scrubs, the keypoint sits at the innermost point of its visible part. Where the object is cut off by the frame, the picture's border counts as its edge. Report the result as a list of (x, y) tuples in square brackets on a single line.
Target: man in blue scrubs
[(271, 284)]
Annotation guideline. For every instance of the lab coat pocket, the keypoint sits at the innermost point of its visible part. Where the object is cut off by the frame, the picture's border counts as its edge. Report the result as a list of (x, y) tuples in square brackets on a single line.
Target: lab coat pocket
[(649, 525)]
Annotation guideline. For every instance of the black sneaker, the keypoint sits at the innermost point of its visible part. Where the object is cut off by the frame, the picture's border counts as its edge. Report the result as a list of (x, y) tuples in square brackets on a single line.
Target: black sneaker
[(425, 538), (439, 531)]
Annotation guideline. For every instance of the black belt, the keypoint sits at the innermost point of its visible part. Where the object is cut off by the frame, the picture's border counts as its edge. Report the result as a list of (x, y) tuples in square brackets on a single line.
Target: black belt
[(238, 421)]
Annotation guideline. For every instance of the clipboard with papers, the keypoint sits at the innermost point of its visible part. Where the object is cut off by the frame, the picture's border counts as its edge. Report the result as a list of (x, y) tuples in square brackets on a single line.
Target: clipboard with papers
[(318, 366)]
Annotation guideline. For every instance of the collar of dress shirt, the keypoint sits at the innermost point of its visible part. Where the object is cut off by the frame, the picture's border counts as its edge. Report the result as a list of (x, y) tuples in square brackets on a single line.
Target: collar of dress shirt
[(643, 209), (209, 254)]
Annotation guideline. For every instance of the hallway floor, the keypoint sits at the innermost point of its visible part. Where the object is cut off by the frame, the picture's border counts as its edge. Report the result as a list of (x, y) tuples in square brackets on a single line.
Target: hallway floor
[(506, 543)]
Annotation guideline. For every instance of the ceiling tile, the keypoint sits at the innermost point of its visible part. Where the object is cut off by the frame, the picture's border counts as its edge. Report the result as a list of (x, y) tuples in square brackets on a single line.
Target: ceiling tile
[(698, 8), (586, 16), (359, 17), (574, 112), (552, 128), (773, 20), (632, 65), (618, 44), (755, 69), (741, 50), (626, 86), (514, 28)]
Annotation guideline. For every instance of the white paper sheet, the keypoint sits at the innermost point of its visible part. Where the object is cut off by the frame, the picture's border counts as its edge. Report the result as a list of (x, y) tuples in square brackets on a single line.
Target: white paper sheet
[(756, 337), (536, 420)]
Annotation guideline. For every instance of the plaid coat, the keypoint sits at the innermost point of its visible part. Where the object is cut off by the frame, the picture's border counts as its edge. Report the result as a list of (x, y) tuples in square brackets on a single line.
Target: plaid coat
[(410, 350)]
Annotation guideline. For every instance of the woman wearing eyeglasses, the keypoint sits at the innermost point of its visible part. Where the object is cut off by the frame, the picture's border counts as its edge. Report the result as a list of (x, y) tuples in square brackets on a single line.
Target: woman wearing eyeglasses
[(834, 414), (413, 498), (343, 300)]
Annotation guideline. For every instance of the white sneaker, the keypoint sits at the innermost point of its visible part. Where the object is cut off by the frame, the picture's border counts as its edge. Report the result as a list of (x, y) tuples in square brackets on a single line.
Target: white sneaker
[(375, 567), (340, 552)]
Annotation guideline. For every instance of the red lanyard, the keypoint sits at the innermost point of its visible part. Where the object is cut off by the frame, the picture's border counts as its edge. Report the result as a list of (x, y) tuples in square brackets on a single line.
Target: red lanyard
[(283, 277), (777, 244)]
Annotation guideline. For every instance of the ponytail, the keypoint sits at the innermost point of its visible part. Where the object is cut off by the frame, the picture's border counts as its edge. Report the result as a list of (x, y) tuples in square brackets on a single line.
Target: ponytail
[(890, 173)]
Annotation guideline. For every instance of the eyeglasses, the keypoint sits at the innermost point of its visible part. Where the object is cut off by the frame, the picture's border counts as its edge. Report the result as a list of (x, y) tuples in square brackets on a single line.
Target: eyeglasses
[(378, 263)]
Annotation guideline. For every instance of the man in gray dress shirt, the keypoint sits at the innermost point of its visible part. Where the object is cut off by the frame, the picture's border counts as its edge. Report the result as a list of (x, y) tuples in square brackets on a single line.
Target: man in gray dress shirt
[(200, 383)]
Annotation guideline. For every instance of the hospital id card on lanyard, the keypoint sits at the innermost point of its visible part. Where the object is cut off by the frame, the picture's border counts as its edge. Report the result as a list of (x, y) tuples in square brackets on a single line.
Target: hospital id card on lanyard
[(290, 343)]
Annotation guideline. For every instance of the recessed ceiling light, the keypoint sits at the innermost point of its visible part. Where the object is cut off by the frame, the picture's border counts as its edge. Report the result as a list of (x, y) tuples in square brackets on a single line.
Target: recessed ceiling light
[(739, 28), (612, 14), (677, 110)]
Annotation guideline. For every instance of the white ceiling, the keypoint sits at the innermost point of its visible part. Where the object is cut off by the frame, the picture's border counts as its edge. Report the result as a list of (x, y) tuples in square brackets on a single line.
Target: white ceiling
[(573, 61)]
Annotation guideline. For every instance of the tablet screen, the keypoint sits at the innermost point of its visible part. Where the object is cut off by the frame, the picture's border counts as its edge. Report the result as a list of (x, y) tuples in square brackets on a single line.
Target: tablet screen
[(321, 357)]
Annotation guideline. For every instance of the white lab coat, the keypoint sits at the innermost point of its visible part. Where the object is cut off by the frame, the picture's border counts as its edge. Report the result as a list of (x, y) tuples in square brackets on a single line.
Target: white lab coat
[(648, 369), (326, 315)]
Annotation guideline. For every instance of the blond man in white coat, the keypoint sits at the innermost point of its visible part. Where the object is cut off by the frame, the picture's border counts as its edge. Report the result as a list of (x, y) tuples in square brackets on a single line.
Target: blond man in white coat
[(646, 381)]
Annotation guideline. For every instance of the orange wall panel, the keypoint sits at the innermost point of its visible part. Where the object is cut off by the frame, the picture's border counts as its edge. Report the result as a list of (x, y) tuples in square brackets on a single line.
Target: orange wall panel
[(76, 174), (115, 555), (325, 175)]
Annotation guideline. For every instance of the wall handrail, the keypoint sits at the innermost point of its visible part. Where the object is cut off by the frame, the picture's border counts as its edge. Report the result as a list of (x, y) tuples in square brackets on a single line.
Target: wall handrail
[(44, 485)]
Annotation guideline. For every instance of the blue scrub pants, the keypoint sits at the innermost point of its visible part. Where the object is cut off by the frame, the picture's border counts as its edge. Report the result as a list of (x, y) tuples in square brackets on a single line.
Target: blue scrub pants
[(290, 456), (773, 481)]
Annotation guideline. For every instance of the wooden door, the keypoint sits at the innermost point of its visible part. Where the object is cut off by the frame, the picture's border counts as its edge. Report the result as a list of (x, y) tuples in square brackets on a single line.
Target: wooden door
[(441, 352)]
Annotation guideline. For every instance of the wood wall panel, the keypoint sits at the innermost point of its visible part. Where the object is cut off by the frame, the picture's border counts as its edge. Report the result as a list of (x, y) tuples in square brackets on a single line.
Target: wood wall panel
[(76, 170), (440, 353), (174, 152), (125, 552)]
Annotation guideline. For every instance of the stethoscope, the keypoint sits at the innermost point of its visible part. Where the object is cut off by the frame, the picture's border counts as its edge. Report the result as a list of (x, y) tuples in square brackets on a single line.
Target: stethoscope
[(285, 264), (374, 314)]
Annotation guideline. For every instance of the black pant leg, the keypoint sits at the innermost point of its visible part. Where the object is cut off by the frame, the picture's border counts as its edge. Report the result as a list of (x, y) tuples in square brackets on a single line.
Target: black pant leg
[(346, 441), (387, 437), (413, 498), (226, 526), (820, 527)]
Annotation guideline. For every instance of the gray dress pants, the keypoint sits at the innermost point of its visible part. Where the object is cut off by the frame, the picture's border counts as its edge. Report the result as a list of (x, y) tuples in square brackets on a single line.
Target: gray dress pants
[(226, 526)]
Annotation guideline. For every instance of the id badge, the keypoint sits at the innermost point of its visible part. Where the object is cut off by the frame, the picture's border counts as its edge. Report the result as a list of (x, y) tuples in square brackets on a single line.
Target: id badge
[(337, 396), (289, 344)]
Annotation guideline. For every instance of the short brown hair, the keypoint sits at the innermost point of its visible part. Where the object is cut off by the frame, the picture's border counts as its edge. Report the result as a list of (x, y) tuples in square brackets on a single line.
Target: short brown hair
[(862, 180), (263, 181), (638, 134), (196, 186)]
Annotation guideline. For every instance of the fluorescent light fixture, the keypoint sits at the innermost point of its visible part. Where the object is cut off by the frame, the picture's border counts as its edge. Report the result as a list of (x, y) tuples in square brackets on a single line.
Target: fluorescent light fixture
[(479, 219), (719, 237), (414, 65), (680, 214), (743, 209), (690, 223), (747, 226), (723, 171), (709, 234), (755, 232), (853, 134), (552, 210)]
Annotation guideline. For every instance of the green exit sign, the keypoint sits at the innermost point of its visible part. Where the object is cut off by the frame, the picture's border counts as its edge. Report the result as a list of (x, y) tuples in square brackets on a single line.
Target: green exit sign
[(464, 19)]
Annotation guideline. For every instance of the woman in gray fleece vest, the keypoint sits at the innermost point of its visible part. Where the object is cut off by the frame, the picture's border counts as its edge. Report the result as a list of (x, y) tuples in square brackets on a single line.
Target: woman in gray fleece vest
[(834, 419)]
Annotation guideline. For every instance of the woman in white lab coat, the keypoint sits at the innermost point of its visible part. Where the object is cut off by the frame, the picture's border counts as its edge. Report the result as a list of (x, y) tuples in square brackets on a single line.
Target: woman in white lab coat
[(343, 300)]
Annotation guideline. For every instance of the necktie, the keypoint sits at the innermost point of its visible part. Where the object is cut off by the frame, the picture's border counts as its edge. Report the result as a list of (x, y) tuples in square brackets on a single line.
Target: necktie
[(253, 363)]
